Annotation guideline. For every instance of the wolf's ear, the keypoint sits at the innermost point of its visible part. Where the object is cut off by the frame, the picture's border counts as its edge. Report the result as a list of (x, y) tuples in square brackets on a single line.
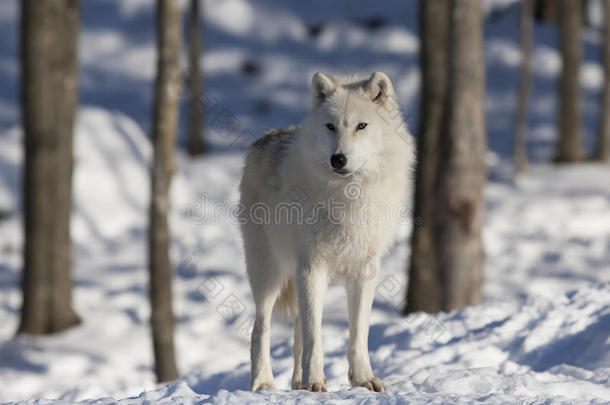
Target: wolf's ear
[(379, 86), (322, 86)]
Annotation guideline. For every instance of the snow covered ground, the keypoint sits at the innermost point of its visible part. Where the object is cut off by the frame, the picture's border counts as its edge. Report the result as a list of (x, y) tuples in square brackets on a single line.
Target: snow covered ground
[(541, 337)]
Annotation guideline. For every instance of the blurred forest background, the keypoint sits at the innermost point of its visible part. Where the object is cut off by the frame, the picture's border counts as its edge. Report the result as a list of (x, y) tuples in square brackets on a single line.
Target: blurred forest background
[(123, 127)]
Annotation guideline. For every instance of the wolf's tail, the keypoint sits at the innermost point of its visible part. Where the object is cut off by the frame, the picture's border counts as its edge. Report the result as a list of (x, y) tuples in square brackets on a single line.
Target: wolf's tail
[(286, 304)]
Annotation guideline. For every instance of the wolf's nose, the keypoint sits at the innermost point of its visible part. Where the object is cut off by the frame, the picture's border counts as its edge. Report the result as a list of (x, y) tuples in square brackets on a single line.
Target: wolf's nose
[(338, 161)]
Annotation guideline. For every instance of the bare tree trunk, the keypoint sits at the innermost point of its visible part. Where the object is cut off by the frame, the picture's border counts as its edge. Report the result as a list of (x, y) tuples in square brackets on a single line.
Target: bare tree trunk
[(584, 4), (165, 121), (570, 132), (195, 143), (424, 290), (527, 28), (49, 84), (546, 10), (462, 170), (603, 144)]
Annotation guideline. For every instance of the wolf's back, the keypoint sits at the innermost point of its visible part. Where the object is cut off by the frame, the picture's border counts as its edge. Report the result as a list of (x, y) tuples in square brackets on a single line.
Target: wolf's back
[(264, 158)]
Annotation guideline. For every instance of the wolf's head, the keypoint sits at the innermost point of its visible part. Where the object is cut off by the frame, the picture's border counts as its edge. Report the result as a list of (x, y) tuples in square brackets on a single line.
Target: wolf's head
[(355, 127)]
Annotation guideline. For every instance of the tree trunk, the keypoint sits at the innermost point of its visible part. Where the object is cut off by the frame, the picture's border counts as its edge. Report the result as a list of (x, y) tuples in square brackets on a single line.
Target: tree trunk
[(584, 4), (165, 120), (196, 114), (546, 10), (424, 290), (570, 132), (462, 171), (603, 144), (49, 84), (527, 28)]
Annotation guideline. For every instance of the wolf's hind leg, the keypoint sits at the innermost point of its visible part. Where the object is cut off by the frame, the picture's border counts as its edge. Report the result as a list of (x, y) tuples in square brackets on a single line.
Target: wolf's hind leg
[(265, 282), (261, 374), (297, 374)]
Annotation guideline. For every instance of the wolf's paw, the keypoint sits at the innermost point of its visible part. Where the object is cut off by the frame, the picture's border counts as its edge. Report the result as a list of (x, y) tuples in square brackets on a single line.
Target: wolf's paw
[(263, 386), (316, 387), (296, 385), (373, 384)]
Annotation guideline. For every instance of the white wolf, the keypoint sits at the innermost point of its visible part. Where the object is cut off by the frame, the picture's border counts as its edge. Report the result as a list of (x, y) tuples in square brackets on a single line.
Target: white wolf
[(352, 152)]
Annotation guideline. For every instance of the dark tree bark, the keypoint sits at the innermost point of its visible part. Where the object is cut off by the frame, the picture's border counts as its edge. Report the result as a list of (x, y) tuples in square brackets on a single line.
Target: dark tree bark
[(165, 121), (570, 102), (527, 28), (603, 144), (424, 290), (546, 10), (49, 84), (462, 170), (584, 4), (195, 144)]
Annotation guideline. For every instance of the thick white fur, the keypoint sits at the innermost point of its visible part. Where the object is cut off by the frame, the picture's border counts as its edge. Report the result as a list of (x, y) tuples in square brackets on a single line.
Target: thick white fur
[(290, 262)]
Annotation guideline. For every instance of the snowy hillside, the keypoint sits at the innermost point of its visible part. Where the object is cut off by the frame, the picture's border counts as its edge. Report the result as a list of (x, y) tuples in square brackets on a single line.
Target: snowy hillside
[(543, 335)]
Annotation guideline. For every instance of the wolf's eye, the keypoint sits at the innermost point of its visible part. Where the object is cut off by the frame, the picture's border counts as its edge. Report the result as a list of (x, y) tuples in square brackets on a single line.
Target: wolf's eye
[(361, 125), (330, 127)]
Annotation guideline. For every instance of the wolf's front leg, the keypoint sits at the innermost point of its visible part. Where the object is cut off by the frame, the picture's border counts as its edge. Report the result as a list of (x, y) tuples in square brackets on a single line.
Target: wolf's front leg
[(360, 294), (312, 282)]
